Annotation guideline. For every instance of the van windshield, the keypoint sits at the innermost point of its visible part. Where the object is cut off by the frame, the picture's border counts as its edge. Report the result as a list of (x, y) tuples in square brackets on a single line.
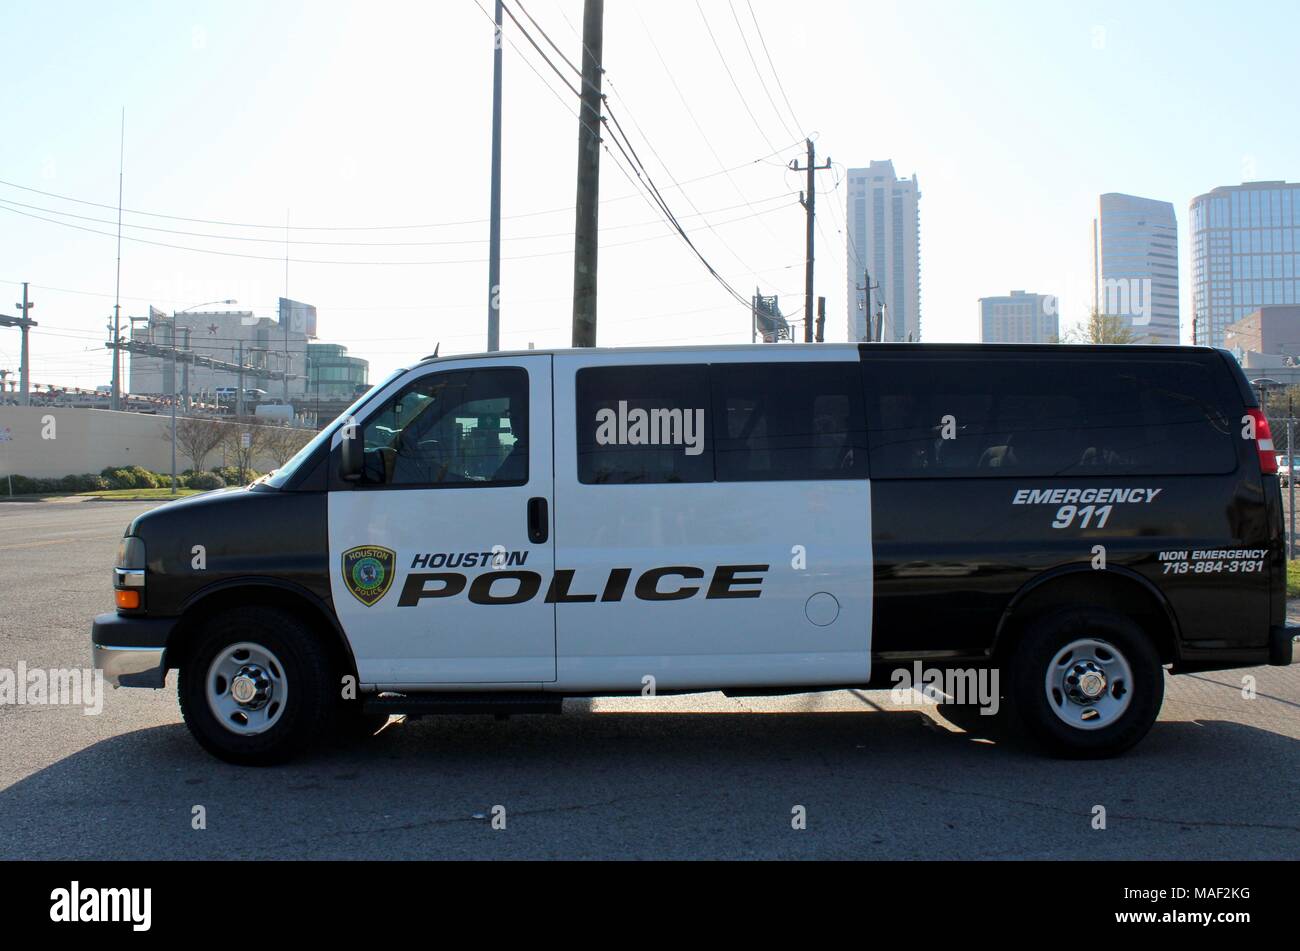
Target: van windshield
[(279, 477)]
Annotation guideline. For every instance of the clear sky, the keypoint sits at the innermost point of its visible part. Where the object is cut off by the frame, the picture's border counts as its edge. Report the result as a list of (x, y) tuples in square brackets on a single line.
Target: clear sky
[(1014, 115)]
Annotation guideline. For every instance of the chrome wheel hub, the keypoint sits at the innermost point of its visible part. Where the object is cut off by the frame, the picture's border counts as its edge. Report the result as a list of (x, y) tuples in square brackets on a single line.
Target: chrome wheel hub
[(1088, 684), (252, 687), (246, 688)]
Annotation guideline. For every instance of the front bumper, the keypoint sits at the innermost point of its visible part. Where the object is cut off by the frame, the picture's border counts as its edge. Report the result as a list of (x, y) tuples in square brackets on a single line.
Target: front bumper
[(131, 651)]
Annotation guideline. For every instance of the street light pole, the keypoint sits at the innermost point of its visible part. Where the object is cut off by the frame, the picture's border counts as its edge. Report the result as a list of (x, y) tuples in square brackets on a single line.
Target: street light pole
[(494, 227), (172, 377)]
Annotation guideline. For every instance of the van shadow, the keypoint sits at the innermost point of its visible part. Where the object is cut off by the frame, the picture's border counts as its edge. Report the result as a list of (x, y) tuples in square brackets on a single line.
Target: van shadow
[(663, 784)]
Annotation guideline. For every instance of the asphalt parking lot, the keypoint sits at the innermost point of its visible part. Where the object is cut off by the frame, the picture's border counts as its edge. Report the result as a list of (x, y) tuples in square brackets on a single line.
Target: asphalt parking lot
[(682, 777)]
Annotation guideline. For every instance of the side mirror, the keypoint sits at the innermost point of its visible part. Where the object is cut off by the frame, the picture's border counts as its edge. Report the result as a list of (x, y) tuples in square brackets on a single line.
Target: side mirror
[(353, 465)]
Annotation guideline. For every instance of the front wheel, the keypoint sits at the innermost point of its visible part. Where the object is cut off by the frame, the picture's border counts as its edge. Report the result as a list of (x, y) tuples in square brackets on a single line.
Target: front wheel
[(1087, 683), (257, 687)]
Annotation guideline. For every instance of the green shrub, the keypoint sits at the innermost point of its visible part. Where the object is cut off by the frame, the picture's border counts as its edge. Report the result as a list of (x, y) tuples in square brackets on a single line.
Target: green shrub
[(230, 475), (205, 481), (134, 477), (119, 478), (21, 485), (86, 482), (26, 485)]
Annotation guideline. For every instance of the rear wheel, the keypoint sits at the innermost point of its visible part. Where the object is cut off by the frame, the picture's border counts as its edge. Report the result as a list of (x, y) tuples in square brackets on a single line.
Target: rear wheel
[(258, 686), (1086, 683)]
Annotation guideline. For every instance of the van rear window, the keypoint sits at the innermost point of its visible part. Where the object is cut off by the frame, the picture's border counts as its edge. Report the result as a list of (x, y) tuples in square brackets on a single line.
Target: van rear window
[(1027, 415), (778, 422)]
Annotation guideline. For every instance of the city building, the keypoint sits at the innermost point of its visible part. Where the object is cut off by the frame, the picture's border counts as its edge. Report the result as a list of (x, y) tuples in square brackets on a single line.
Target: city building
[(332, 374), (1245, 254), (1135, 265), (884, 237), (265, 343), (1019, 317), (1266, 342)]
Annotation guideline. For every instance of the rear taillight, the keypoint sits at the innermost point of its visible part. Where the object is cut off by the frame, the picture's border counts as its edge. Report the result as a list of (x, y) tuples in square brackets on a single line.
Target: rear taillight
[(1264, 442)]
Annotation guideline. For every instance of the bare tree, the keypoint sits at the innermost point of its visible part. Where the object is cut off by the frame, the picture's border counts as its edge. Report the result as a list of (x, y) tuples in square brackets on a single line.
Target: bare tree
[(1103, 328), (240, 455), (197, 437), (279, 443)]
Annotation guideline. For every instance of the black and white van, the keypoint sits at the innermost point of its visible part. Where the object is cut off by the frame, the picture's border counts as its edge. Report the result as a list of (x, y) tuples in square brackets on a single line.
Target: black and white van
[(494, 533)]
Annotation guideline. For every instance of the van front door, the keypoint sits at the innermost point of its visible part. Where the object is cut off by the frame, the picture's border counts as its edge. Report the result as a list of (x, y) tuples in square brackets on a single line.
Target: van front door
[(441, 553)]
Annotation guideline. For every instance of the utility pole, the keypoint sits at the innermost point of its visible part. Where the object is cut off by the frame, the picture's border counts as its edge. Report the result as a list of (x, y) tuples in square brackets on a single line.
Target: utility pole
[(115, 401), (494, 227), (185, 370), (809, 201), (286, 356), (867, 287), (25, 357), (821, 320), (239, 392), (586, 225), (1290, 480), (172, 359)]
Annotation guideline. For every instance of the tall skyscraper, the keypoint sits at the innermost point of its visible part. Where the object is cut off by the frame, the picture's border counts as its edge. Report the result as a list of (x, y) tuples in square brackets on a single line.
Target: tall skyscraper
[(884, 225), (1245, 254), (1135, 265), (1019, 318)]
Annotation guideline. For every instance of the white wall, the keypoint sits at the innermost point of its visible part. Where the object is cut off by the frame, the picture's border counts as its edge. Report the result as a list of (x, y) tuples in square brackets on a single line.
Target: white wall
[(88, 440)]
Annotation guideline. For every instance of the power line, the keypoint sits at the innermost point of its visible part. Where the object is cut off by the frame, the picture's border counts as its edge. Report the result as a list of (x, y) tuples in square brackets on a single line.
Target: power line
[(740, 298), (371, 307), (730, 75), (369, 244), (757, 72), (695, 120), (336, 262), (642, 173), (777, 76), (540, 52), (546, 36), (279, 228)]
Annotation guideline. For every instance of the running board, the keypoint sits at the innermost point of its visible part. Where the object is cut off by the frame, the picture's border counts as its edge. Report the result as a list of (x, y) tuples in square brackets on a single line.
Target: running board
[(490, 704)]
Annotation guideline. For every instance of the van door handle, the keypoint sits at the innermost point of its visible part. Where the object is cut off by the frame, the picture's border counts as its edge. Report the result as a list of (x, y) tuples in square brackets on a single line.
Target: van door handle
[(539, 523)]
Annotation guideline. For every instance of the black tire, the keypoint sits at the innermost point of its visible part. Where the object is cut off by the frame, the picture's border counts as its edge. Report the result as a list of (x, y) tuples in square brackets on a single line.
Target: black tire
[(1077, 728), (306, 676)]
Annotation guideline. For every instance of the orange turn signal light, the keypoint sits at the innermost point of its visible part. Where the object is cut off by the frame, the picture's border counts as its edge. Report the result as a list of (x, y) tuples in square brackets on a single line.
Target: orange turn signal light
[(128, 600)]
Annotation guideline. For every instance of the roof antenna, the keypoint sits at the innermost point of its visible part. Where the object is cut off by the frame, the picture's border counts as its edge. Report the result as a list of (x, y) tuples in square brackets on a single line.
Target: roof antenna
[(434, 355)]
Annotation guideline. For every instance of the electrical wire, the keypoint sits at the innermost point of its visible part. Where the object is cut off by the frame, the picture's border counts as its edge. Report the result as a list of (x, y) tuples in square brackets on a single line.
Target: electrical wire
[(777, 76), (730, 75), (757, 72), (338, 262)]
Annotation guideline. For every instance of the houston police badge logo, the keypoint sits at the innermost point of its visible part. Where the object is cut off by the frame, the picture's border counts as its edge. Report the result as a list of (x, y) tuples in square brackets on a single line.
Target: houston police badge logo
[(368, 572)]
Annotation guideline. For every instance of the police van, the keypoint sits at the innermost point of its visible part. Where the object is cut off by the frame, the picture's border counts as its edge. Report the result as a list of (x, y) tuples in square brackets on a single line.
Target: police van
[(495, 533)]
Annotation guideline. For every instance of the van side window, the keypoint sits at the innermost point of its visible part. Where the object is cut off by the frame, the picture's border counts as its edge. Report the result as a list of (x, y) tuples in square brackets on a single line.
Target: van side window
[(455, 428), (644, 425), (1037, 415), (788, 421)]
